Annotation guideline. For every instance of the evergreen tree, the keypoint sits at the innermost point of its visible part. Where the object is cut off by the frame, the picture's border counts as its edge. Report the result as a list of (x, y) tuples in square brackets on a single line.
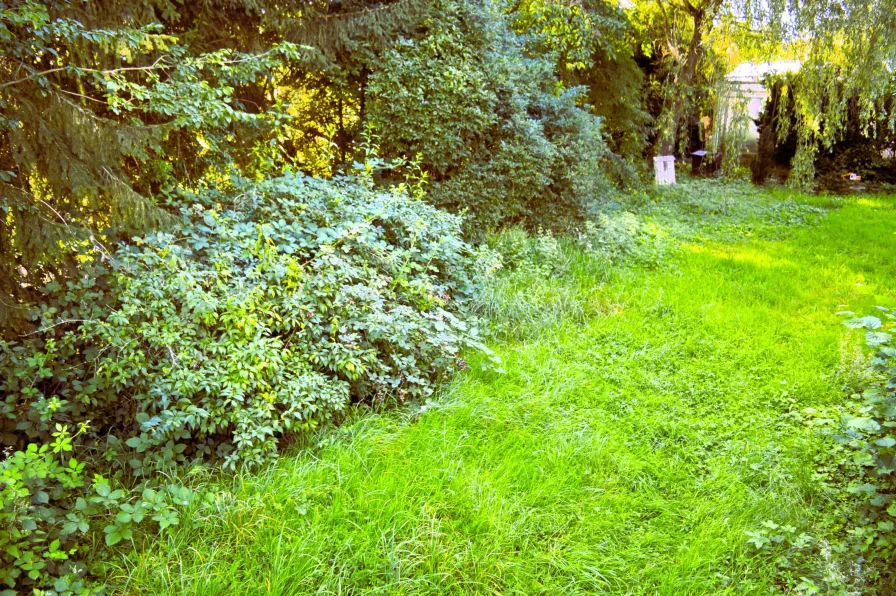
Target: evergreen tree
[(111, 111)]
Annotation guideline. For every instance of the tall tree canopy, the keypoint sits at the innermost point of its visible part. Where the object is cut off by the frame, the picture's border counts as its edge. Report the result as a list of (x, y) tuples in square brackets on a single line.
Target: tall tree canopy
[(112, 111), (848, 53)]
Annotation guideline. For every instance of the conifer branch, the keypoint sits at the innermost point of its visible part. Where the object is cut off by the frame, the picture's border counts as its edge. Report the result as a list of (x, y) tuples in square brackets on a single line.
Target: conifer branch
[(79, 69), (358, 13)]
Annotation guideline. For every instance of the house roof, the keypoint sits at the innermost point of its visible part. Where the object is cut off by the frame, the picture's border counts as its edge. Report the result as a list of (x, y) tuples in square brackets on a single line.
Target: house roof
[(754, 72)]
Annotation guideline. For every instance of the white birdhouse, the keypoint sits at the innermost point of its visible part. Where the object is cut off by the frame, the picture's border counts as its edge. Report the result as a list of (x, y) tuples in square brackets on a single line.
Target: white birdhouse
[(664, 169)]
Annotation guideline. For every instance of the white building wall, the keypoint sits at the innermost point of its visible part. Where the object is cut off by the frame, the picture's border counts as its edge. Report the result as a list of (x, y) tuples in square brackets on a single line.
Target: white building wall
[(744, 94)]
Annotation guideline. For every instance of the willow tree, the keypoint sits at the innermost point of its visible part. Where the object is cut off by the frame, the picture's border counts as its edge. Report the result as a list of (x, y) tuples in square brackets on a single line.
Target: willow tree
[(845, 47), (849, 59)]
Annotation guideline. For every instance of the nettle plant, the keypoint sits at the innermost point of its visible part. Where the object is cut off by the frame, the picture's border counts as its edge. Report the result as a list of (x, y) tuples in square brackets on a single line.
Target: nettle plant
[(263, 315)]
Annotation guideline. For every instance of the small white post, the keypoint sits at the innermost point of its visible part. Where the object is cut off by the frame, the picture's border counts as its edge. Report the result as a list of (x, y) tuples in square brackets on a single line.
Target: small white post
[(664, 169)]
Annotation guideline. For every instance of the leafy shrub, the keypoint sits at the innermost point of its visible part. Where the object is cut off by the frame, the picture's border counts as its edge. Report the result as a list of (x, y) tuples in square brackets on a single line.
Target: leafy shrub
[(538, 253), (32, 485), (257, 322), (856, 155), (49, 510), (263, 314), (856, 467), (624, 236)]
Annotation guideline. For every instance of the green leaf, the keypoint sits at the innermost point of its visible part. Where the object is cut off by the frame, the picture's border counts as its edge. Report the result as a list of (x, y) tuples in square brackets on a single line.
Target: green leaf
[(863, 322), (876, 338), (859, 423), (69, 528)]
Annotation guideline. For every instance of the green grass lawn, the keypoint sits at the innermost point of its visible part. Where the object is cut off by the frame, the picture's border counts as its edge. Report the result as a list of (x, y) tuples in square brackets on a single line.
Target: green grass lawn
[(645, 423)]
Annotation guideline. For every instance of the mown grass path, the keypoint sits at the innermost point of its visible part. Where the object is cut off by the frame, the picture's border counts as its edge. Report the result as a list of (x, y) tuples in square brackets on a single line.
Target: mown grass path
[(627, 455)]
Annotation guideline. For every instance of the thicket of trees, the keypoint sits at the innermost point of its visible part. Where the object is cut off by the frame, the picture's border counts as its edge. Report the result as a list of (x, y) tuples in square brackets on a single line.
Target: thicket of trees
[(115, 115), (222, 221), (114, 112)]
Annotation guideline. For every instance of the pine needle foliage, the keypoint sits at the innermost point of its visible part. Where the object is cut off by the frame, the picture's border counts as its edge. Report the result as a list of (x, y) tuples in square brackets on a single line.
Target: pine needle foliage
[(93, 97), (64, 165), (341, 28)]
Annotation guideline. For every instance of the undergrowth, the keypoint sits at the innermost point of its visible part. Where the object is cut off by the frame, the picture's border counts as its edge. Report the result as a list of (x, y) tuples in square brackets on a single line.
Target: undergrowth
[(548, 280), (657, 428)]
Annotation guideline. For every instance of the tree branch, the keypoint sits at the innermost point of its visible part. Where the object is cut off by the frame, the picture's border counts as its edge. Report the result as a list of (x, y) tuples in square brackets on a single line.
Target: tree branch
[(42, 73)]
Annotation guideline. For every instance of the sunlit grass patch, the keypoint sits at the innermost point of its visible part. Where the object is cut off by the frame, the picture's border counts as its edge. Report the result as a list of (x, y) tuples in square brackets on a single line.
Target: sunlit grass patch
[(746, 253), (643, 439)]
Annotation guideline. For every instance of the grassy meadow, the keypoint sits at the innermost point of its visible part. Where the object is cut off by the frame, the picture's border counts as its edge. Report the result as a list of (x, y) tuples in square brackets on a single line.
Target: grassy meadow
[(646, 432)]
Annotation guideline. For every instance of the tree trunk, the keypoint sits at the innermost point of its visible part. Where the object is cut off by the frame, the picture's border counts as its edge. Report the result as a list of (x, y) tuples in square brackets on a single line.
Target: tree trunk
[(684, 83)]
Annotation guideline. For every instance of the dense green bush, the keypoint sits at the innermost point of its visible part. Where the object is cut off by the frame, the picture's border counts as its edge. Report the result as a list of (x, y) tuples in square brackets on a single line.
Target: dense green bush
[(264, 314), (591, 44), (500, 136), (267, 319)]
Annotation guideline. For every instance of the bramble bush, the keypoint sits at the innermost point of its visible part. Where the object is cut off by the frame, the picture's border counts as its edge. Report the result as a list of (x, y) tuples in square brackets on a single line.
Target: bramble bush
[(265, 320), (856, 465), (869, 431), (262, 315)]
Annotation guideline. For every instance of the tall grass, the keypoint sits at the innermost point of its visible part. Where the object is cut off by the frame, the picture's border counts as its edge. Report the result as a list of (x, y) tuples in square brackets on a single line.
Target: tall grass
[(645, 423)]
